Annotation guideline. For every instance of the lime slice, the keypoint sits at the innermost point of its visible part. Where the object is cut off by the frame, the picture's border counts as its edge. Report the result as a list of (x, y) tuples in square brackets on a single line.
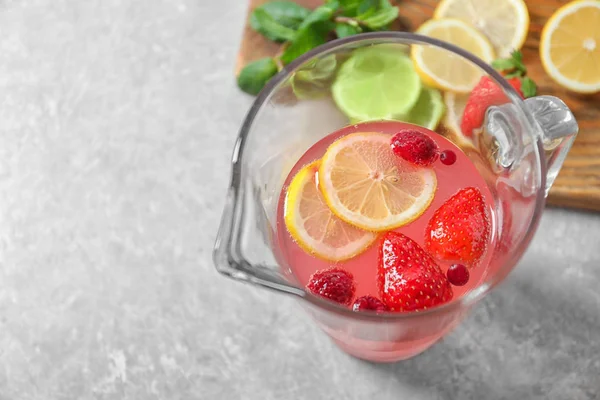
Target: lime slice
[(376, 83), (429, 109)]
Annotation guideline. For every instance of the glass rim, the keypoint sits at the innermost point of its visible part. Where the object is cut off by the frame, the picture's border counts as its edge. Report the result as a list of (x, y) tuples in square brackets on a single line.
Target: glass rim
[(471, 297)]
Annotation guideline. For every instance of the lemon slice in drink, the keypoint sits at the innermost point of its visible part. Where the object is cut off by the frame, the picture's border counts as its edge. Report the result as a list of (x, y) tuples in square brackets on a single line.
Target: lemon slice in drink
[(570, 46), (376, 82), (504, 22), (367, 185), (445, 70), (312, 224)]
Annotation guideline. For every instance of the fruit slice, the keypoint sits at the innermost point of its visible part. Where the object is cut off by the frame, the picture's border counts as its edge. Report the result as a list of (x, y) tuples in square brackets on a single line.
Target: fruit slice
[(376, 83), (428, 110), (366, 184), (455, 107), (504, 22), (409, 279), (445, 70), (570, 46), (312, 224), (459, 230)]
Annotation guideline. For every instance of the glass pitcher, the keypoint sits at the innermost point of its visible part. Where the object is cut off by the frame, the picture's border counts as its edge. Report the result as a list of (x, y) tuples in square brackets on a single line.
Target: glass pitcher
[(519, 151)]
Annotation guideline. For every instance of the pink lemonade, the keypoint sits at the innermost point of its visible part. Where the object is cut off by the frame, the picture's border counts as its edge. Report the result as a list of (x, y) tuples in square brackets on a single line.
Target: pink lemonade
[(364, 266)]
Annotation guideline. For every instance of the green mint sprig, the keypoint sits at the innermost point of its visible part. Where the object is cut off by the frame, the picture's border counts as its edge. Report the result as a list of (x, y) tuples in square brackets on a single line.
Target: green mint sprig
[(301, 30), (513, 67)]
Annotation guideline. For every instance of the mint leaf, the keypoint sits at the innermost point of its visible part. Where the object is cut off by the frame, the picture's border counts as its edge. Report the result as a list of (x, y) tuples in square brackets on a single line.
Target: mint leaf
[(367, 7), (320, 14), (514, 64), (528, 87), (515, 74), (286, 13), (262, 22), (513, 67), (350, 7), (382, 18), (318, 69), (517, 58), (503, 64), (312, 32), (314, 79), (343, 29), (255, 75)]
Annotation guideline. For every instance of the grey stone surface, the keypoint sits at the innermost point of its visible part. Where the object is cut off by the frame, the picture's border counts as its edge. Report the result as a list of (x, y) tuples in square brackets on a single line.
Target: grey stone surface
[(117, 120)]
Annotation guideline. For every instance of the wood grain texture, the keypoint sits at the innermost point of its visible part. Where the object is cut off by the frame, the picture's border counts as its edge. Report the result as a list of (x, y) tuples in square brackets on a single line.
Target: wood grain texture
[(578, 184)]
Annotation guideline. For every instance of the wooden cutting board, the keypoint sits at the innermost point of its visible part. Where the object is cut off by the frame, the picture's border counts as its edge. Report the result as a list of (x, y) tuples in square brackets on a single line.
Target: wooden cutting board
[(578, 184)]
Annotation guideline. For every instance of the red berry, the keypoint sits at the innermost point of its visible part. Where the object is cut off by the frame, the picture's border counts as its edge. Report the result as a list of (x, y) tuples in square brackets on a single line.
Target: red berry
[(409, 279), (485, 94), (459, 230), (369, 303), (458, 274), (334, 284), (415, 147), (448, 157)]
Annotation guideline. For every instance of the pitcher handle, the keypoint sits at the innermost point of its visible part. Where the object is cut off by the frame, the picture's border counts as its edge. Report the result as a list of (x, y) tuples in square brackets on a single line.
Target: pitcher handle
[(558, 129), (229, 262)]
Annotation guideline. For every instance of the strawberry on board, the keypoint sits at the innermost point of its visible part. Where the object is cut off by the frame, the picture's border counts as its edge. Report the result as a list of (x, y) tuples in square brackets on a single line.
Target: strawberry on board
[(459, 230), (487, 93), (409, 279)]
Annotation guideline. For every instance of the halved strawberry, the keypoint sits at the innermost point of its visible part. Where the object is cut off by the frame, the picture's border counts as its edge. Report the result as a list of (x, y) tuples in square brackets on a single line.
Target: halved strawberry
[(409, 279), (459, 230), (487, 93)]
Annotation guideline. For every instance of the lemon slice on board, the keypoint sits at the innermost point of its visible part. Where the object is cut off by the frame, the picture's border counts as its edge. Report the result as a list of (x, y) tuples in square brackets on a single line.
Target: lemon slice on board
[(445, 70), (455, 107), (312, 224), (504, 22), (570, 46), (367, 185)]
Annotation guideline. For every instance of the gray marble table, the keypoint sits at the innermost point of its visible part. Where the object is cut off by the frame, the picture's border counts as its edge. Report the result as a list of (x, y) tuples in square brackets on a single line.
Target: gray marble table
[(117, 120)]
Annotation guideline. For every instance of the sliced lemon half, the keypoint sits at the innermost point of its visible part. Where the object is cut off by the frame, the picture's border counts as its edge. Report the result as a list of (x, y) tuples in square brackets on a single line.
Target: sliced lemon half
[(365, 184), (504, 22), (570, 46), (443, 69)]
